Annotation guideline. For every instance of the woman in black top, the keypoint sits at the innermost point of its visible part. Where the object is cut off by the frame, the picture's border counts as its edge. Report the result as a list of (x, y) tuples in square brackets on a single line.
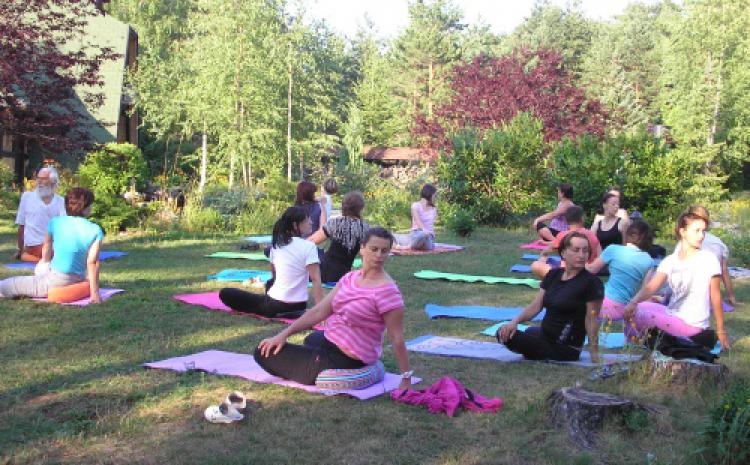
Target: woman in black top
[(573, 298), (346, 233), (610, 228), (306, 199)]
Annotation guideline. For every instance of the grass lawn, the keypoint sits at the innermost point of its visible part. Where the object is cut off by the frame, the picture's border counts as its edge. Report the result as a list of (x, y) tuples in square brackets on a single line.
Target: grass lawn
[(72, 390)]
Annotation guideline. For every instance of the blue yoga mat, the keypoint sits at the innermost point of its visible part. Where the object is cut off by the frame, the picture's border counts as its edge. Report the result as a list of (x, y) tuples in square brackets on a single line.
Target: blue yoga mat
[(240, 275), (532, 257), (20, 266), (476, 312), (107, 254), (518, 268)]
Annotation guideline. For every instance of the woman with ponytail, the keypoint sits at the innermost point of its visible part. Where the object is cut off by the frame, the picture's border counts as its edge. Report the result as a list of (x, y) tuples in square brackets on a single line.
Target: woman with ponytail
[(294, 263)]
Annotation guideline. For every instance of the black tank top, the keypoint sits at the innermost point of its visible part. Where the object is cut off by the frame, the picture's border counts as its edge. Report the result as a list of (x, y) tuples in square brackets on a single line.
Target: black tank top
[(610, 236)]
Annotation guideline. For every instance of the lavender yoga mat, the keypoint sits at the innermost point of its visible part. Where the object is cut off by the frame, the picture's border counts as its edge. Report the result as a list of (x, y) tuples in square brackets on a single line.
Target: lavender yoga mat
[(244, 366), (103, 293), (211, 301), (467, 348)]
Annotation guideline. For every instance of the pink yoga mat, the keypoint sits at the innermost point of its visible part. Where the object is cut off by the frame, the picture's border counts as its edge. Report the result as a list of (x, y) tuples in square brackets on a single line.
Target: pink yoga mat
[(244, 366), (439, 248), (211, 301), (103, 293), (536, 245)]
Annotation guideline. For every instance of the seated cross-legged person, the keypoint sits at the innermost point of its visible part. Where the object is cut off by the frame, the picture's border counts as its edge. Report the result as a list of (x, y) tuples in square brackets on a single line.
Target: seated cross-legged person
[(574, 219), (556, 217), (75, 242), (572, 297), (345, 233), (294, 262), (357, 312), (35, 210), (694, 278), (628, 264)]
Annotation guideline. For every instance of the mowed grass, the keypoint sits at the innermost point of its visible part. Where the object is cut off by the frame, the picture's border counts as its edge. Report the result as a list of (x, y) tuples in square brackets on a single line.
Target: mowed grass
[(72, 389)]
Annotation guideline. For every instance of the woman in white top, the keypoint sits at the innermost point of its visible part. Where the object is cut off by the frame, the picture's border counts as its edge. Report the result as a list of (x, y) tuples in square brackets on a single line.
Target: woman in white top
[(717, 247), (423, 215), (328, 188), (693, 274), (294, 262)]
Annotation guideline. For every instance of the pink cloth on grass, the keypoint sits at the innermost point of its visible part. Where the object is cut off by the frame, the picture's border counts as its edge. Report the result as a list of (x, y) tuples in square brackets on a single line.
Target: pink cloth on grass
[(447, 395), (211, 301), (536, 245)]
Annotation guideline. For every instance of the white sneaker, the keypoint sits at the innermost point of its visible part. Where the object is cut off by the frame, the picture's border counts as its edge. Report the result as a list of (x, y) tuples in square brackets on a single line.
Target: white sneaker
[(223, 413)]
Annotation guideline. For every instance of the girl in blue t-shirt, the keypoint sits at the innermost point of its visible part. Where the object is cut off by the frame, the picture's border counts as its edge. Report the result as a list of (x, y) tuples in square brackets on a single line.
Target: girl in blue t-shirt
[(628, 264), (75, 243)]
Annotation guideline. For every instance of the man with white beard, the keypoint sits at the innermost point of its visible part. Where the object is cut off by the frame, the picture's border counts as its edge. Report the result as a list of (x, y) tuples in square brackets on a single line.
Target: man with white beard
[(35, 210)]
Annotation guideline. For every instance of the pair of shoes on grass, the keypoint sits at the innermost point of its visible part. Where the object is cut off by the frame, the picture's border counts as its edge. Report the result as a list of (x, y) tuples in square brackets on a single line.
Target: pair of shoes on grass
[(234, 408)]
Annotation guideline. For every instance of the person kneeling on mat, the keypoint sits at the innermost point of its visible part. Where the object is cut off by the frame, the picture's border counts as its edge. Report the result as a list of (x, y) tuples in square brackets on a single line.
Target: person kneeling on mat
[(573, 298), (357, 312), (75, 242), (294, 262)]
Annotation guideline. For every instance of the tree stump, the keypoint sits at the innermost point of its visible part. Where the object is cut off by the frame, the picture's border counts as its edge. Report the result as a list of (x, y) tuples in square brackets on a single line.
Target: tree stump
[(582, 412), (688, 371)]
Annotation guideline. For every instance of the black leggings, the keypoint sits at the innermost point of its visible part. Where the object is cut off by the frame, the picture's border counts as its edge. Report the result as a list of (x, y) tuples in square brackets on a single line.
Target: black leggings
[(534, 346), (303, 363), (260, 304)]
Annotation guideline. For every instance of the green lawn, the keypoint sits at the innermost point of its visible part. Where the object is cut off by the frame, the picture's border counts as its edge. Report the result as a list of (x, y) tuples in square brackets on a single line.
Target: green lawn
[(72, 390)]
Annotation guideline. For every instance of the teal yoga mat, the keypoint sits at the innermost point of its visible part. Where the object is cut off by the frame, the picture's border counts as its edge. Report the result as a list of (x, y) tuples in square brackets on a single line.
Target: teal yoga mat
[(431, 274), (240, 275), (258, 256)]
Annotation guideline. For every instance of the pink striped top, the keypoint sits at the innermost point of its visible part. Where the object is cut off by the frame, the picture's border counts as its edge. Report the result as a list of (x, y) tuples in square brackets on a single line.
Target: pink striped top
[(357, 325)]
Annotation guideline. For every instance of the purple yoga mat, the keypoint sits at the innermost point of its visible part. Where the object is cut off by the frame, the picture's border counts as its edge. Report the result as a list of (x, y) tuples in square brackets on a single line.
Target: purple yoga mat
[(536, 245), (211, 301), (103, 293), (244, 366)]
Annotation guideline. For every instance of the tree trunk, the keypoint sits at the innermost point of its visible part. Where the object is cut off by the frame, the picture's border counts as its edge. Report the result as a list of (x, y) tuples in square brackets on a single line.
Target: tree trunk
[(717, 106), (166, 158), (289, 120), (582, 412), (689, 372), (204, 158)]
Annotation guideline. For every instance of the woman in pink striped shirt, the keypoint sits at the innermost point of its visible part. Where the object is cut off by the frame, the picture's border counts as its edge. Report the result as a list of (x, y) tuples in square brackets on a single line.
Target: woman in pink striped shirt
[(357, 312)]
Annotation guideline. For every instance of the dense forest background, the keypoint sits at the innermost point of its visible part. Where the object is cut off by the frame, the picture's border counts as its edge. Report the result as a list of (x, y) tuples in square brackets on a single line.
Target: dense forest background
[(275, 91)]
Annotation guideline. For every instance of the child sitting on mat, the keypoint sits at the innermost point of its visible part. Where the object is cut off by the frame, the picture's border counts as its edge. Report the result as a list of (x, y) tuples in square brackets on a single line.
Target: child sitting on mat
[(572, 297), (574, 218), (294, 262), (75, 242), (556, 217), (357, 312)]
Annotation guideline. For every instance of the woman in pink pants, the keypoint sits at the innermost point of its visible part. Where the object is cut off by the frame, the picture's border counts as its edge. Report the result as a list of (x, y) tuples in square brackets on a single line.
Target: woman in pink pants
[(694, 276)]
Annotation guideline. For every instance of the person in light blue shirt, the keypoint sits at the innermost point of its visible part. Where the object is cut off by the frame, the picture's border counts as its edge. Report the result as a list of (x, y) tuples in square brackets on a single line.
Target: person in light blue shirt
[(75, 243), (628, 264)]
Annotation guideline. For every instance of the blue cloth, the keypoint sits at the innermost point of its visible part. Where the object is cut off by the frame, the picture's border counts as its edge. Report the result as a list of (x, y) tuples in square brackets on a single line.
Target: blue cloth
[(552, 260), (21, 266), (518, 268), (107, 254), (240, 275), (627, 269), (476, 312), (72, 237)]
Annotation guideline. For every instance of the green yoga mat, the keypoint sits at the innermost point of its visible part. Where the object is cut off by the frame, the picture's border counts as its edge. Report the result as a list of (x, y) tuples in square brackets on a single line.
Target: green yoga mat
[(430, 274), (258, 256)]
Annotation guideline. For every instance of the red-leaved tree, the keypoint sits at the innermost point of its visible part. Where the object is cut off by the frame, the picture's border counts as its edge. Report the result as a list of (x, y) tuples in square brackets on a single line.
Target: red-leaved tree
[(41, 65), (490, 91)]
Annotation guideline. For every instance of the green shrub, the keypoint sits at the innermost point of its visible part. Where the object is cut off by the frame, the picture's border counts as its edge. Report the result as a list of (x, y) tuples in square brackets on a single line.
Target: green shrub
[(727, 436), (259, 216), (499, 173), (196, 218), (388, 206), (362, 177), (460, 220), (225, 201), (9, 197), (109, 172)]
